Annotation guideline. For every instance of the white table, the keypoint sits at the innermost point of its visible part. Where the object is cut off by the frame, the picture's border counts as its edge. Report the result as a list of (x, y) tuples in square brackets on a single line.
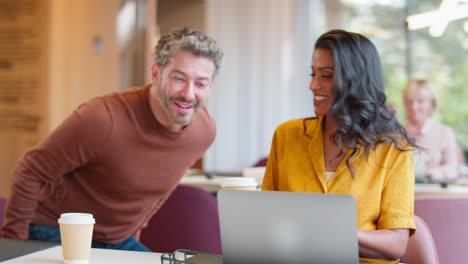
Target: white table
[(201, 181), (213, 184), (437, 189), (98, 256)]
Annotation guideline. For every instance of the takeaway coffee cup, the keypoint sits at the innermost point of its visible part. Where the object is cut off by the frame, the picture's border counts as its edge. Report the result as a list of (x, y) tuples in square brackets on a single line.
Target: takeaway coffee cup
[(239, 183), (76, 232), (254, 172)]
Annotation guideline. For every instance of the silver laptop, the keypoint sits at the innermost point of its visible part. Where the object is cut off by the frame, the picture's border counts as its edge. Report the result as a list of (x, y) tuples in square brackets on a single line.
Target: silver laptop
[(287, 227)]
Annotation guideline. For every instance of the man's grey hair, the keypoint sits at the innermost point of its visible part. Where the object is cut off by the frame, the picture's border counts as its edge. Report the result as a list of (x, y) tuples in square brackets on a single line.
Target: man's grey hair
[(187, 39)]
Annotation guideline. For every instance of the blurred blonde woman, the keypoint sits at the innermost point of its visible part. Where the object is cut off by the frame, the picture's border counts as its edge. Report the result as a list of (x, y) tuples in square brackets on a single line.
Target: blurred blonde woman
[(438, 141)]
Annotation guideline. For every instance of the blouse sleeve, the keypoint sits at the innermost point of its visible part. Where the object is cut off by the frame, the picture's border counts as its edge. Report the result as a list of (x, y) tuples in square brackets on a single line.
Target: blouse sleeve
[(397, 203), (270, 180)]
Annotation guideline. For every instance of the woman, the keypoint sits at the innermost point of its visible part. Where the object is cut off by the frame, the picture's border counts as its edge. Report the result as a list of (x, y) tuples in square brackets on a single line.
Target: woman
[(354, 146), (440, 154)]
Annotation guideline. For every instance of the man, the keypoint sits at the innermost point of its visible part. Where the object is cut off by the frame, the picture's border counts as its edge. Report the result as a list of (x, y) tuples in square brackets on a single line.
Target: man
[(120, 156)]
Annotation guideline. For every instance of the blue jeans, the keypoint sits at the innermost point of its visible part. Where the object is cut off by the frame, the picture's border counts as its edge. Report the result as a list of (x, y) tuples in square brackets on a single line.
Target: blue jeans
[(52, 233)]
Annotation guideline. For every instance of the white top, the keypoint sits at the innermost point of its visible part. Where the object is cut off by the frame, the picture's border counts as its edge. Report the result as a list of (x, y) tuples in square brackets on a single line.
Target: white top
[(441, 149), (329, 175)]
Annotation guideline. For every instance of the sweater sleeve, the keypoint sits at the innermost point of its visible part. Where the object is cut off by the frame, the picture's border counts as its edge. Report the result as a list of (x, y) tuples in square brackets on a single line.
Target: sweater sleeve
[(75, 143)]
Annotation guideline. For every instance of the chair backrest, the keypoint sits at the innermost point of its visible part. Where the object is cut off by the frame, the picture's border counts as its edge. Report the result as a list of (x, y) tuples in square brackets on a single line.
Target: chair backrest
[(421, 248), (261, 162), (3, 201), (447, 218), (187, 220)]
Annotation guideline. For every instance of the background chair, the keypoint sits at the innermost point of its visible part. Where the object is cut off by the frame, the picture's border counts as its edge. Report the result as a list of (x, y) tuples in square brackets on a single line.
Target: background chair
[(421, 248), (447, 218), (3, 201), (187, 220), (261, 162)]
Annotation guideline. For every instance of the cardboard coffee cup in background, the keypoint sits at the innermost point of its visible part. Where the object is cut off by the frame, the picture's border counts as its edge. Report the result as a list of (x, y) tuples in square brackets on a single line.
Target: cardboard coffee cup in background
[(76, 232), (254, 172), (239, 183)]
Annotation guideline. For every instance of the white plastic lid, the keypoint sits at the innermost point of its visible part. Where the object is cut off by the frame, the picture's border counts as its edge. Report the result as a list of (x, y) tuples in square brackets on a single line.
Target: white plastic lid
[(76, 219), (238, 182)]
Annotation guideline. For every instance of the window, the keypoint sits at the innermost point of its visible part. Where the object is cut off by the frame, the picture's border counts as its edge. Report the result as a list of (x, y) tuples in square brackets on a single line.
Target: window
[(413, 53)]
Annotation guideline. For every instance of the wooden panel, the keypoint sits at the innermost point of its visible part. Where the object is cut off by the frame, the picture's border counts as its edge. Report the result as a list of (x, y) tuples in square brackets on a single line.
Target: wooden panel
[(23, 78), (49, 65)]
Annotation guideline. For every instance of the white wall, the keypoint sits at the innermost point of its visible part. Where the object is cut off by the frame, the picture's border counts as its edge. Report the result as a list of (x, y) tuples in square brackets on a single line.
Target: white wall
[(265, 76)]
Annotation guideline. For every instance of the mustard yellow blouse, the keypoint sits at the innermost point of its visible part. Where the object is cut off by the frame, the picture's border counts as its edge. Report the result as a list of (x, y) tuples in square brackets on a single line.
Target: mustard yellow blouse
[(383, 182)]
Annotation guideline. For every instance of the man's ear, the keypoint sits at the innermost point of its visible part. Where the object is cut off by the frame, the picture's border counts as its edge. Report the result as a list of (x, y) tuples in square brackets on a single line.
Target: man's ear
[(155, 72)]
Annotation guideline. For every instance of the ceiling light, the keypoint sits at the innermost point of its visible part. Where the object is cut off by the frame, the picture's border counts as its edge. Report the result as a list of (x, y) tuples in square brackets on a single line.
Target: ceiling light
[(438, 20)]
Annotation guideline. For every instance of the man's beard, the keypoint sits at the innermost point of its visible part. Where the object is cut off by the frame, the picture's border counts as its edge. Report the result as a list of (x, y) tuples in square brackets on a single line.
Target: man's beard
[(176, 117)]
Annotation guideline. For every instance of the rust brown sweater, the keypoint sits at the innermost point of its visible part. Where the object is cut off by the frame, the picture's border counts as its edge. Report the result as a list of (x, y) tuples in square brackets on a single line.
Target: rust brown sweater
[(111, 158)]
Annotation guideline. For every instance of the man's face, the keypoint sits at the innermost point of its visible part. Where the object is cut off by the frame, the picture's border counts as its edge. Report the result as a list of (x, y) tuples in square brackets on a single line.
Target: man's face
[(182, 87)]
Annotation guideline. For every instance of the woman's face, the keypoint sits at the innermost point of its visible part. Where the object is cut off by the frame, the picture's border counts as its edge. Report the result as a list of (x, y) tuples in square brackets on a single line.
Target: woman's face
[(418, 108), (322, 83)]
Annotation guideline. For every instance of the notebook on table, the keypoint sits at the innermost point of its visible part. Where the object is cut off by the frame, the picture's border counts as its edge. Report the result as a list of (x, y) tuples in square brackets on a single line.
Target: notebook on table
[(287, 227)]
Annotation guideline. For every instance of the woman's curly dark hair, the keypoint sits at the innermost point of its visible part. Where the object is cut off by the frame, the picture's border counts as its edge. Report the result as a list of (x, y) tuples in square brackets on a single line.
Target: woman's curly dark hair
[(360, 108)]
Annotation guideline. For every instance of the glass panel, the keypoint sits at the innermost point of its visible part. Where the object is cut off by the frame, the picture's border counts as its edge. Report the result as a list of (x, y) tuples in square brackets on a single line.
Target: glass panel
[(414, 53), (383, 22), (444, 60)]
